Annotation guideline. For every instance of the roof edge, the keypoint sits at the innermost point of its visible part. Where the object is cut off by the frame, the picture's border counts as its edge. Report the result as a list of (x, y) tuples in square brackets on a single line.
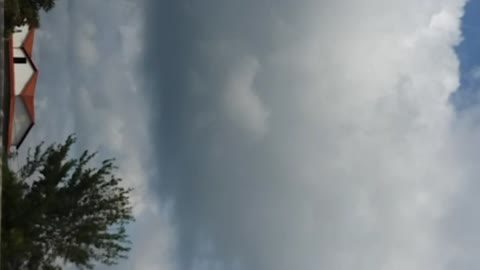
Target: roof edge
[(28, 41), (25, 135)]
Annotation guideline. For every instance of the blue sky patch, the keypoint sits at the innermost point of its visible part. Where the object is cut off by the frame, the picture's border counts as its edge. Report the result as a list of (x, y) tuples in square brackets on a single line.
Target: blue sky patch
[(469, 56)]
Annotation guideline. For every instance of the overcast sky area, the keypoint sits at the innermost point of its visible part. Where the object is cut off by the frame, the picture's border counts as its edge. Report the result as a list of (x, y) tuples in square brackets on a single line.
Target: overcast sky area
[(276, 134)]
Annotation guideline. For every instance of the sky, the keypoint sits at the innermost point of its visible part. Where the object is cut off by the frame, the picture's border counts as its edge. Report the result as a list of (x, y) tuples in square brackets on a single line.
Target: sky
[(276, 134)]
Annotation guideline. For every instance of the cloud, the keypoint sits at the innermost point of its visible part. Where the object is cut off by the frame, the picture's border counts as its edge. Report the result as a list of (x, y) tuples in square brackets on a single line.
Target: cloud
[(272, 134), (95, 88), (241, 102), (88, 54), (154, 241), (358, 166), (87, 51)]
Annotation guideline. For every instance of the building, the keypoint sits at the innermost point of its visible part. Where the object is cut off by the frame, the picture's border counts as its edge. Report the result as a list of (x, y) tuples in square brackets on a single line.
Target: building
[(22, 79)]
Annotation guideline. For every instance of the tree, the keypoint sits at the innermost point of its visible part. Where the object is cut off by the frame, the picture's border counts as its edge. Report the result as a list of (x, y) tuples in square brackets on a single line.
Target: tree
[(45, 5), (20, 12), (57, 209)]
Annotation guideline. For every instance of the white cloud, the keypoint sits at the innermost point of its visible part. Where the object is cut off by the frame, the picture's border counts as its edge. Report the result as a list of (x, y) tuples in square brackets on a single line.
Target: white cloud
[(85, 44), (132, 37), (358, 166), (155, 249), (241, 102)]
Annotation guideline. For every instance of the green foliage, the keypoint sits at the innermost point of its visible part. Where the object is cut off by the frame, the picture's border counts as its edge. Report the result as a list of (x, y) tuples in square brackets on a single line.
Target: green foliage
[(58, 208), (20, 12)]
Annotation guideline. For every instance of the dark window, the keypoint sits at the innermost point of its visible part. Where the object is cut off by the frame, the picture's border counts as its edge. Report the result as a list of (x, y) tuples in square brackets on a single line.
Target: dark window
[(20, 60)]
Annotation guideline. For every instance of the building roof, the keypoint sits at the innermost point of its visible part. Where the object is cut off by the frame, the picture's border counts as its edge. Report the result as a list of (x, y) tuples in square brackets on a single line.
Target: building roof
[(28, 92), (28, 42)]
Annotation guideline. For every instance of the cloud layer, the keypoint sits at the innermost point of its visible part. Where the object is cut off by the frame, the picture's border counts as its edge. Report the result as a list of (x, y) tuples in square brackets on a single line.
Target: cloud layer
[(88, 54), (272, 134), (307, 135)]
